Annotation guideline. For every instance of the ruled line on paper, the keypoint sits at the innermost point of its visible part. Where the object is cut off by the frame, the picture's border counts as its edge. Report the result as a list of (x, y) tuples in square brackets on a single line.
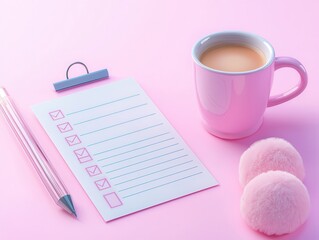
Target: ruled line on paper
[(123, 135), (156, 179), (154, 165), (162, 185), (103, 104), (110, 114), (117, 124), (132, 143), (133, 150), (130, 165), (102, 159), (151, 173)]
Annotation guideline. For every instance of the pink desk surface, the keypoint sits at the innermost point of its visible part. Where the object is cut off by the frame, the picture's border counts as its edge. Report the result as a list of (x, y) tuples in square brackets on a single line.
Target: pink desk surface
[(150, 41)]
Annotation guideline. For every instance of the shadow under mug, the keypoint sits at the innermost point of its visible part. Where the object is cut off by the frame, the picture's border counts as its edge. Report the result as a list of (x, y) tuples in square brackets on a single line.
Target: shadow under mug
[(232, 104)]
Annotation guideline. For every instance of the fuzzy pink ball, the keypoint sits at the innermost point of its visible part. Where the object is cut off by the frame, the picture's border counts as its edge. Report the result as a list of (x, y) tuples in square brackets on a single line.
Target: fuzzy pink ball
[(275, 203), (270, 154)]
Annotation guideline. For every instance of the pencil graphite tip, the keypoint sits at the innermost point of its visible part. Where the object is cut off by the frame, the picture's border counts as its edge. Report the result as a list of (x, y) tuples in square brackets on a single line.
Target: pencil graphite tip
[(66, 203), (74, 214)]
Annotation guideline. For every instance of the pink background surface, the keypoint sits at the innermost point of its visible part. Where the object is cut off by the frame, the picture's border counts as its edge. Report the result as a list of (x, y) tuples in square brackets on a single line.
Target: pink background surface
[(150, 41)]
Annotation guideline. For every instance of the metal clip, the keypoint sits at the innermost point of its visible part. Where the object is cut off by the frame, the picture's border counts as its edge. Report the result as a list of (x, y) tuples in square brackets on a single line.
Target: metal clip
[(87, 78)]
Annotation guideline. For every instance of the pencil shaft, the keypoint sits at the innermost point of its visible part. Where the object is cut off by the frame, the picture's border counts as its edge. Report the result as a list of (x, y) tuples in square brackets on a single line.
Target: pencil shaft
[(34, 152)]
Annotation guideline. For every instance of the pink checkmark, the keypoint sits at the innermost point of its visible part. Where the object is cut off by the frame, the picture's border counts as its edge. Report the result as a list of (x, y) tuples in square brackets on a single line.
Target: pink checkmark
[(73, 140), (56, 115), (93, 170), (82, 155), (64, 127), (102, 184)]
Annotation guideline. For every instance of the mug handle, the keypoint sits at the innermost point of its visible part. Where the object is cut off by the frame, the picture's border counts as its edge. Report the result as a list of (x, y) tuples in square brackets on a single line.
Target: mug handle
[(281, 62)]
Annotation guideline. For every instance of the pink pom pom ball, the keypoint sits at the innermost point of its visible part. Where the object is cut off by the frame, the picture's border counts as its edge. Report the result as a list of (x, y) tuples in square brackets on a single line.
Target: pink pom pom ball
[(275, 203), (270, 154)]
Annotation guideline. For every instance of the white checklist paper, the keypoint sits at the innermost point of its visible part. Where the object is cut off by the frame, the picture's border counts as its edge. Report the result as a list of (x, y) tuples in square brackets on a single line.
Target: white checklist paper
[(121, 148)]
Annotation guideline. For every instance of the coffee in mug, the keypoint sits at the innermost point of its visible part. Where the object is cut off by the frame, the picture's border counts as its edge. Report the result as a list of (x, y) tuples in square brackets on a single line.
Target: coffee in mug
[(233, 58)]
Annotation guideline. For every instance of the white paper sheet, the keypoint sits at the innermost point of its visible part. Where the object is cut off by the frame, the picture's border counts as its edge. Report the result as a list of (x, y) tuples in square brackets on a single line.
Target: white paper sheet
[(122, 150)]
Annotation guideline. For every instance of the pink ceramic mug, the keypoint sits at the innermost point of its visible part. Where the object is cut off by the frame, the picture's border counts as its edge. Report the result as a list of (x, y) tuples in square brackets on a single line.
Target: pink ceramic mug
[(232, 104)]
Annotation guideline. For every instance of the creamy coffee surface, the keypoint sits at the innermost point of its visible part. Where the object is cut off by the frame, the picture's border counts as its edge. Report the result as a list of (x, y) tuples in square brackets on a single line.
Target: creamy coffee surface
[(232, 58)]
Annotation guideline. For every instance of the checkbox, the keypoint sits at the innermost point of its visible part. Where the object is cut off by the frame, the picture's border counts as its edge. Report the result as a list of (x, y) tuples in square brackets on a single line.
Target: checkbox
[(113, 200), (73, 140), (64, 127), (93, 170), (82, 155), (56, 115), (102, 184)]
